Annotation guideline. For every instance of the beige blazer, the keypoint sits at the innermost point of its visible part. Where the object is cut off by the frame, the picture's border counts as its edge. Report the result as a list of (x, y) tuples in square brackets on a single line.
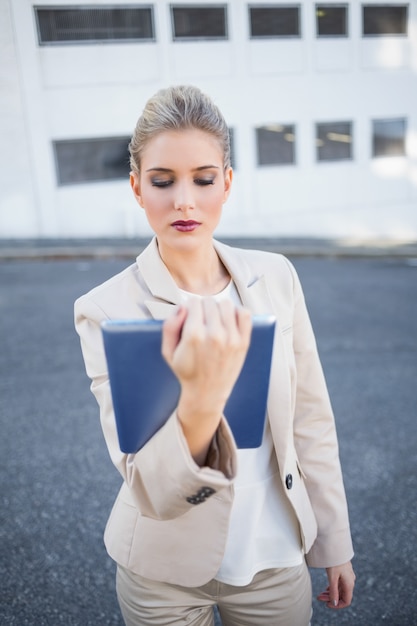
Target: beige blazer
[(170, 519)]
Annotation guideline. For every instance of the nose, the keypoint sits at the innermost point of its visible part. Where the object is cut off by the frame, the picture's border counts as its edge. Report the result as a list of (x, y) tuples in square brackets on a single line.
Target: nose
[(184, 199)]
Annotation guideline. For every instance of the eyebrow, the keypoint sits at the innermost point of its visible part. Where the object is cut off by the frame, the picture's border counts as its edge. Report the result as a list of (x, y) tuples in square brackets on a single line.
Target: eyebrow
[(196, 169)]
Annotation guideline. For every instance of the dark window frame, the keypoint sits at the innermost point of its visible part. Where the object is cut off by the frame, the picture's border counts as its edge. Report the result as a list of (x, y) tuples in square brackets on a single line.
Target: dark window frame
[(332, 128), (378, 143), (341, 6), (89, 172), (386, 6), (268, 130), (94, 40), (274, 7), (197, 7)]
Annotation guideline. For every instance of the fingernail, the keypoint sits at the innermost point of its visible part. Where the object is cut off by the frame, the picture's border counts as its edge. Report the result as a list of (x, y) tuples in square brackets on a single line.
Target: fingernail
[(334, 602)]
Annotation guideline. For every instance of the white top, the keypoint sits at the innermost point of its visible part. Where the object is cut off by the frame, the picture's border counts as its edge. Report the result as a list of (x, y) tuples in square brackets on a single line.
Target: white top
[(263, 528)]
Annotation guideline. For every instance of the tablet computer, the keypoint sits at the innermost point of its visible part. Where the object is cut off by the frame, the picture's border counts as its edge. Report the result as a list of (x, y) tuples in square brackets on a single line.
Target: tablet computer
[(145, 391)]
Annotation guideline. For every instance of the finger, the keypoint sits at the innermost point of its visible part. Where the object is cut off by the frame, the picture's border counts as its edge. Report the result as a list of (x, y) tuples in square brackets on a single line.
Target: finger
[(227, 316), (244, 323), (236, 319), (218, 332), (344, 599), (171, 332), (194, 323), (211, 314), (324, 596), (334, 592)]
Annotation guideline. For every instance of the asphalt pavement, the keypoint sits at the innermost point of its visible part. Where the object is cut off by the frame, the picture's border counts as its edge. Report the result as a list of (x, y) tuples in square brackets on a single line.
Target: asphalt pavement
[(58, 484)]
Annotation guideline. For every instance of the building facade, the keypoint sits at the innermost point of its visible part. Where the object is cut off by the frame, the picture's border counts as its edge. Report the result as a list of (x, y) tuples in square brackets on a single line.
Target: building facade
[(320, 98)]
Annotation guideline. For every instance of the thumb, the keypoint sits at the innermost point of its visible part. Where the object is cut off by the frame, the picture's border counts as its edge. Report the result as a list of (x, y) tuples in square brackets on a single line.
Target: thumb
[(334, 591)]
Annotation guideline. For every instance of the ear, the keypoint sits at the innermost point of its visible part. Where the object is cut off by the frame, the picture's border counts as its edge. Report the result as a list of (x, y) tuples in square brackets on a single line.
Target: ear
[(135, 184), (228, 177)]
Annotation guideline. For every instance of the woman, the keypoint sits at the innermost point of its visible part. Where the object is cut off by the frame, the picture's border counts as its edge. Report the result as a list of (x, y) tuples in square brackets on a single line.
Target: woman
[(198, 523)]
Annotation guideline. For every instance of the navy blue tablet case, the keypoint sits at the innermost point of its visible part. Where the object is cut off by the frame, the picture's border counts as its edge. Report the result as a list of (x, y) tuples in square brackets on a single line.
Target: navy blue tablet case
[(145, 391)]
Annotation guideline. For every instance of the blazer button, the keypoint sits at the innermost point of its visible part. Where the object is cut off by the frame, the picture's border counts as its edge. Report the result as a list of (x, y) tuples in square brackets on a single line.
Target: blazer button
[(288, 481)]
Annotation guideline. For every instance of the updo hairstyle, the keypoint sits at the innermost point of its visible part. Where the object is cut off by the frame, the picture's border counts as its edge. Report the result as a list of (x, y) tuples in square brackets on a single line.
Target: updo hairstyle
[(176, 108)]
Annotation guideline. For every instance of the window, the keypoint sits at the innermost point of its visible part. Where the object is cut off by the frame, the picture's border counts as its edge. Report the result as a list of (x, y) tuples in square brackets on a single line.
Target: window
[(86, 160), (199, 22), (384, 19), (388, 137), (276, 144), (331, 20), (274, 21), (70, 24), (334, 141)]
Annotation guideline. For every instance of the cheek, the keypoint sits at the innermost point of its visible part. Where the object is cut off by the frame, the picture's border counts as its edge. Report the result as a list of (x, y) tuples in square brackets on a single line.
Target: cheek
[(152, 200), (156, 207), (213, 196)]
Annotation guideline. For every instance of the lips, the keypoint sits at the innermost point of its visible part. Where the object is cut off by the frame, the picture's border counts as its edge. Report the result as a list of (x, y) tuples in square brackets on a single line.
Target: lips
[(185, 226)]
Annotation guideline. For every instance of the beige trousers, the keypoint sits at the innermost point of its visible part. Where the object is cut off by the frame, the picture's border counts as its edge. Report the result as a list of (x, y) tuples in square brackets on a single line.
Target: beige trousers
[(275, 597)]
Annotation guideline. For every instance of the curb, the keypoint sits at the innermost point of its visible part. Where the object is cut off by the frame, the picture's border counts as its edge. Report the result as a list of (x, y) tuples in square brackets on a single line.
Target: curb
[(129, 249)]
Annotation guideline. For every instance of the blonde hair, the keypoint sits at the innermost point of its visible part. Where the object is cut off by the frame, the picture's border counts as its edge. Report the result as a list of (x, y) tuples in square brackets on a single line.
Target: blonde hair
[(177, 108)]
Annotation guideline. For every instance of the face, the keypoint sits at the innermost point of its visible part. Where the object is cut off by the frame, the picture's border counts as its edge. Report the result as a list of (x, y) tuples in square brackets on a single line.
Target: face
[(182, 187)]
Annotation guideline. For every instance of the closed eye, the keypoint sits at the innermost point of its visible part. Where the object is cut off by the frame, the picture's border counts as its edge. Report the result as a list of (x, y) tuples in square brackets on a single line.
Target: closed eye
[(204, 181), (161, 183)]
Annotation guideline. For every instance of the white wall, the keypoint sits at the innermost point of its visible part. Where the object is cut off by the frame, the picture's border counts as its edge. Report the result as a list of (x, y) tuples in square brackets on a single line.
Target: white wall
[(18, 205), (74, 91)]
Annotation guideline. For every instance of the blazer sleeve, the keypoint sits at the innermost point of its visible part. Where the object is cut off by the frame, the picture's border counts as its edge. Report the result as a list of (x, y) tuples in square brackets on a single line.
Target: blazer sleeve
[(316, 444), (163, 479)]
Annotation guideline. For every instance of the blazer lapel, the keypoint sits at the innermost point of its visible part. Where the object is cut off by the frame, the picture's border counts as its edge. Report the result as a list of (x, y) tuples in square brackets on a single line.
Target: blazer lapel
[(159, 281), (252, 288)]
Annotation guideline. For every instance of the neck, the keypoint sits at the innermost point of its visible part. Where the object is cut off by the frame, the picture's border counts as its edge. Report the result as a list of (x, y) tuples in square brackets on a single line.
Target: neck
[(198, 271)]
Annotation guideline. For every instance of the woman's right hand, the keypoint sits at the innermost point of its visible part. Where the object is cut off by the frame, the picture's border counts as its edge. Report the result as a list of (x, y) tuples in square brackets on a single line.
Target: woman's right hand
[(205, 344)]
